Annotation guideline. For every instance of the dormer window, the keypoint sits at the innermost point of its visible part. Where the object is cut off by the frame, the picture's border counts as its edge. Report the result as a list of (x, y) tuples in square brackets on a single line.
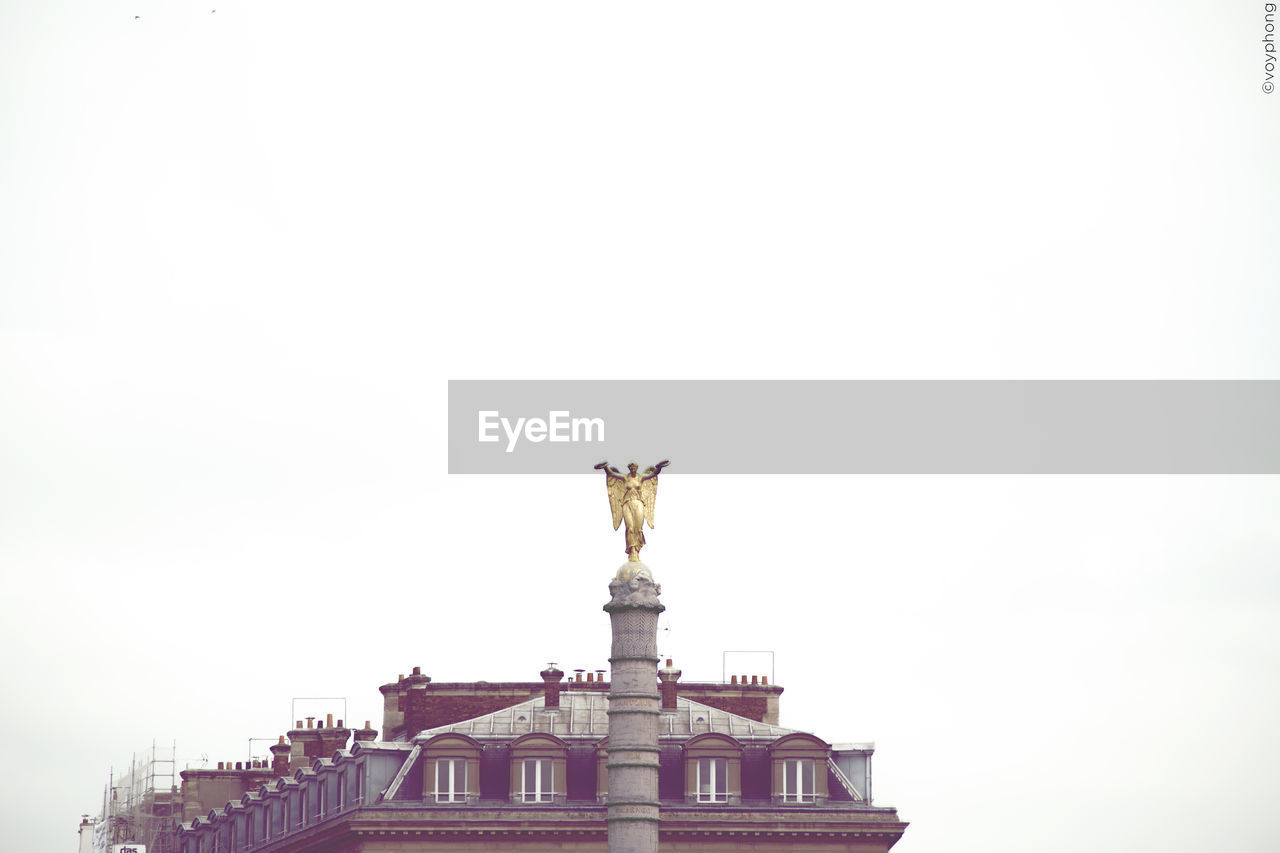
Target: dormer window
[(799, 769), (452, 769), (713, 769), (797, 780), (713, 780), (538, 768), (451, 780), (538, 775)]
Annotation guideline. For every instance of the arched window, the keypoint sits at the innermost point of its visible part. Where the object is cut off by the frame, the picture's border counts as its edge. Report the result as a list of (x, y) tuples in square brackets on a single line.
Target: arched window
[(451, 769), (713, 769), (538, 762), (799, 769)]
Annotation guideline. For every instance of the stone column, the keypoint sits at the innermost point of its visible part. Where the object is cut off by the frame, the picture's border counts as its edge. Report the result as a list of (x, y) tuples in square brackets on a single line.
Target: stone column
[(633, 711)]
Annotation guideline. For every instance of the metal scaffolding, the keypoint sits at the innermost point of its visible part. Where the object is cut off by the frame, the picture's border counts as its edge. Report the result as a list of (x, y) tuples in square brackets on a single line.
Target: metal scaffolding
[(142, 806)]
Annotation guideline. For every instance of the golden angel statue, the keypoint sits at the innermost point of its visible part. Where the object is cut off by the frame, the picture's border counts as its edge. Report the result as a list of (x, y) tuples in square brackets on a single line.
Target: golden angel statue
[(631, 497)]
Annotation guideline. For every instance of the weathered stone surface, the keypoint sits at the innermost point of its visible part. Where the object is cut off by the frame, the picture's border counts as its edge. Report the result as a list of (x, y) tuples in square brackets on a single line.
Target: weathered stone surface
[(633, 711), (636, 589)]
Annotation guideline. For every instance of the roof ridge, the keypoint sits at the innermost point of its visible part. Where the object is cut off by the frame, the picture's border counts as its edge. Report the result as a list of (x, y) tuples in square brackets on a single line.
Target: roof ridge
[(576, 718)]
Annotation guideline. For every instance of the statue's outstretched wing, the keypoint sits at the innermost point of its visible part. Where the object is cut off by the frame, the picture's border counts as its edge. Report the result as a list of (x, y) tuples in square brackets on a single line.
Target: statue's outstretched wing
[(649, 494), (617, 488)]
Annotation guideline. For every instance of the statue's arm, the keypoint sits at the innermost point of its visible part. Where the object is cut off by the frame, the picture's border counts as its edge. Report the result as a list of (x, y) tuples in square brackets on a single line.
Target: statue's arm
[(656, 470), (609, 472)]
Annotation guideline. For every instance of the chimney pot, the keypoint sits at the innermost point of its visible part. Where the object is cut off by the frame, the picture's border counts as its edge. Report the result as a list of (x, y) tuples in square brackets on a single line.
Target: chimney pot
[(238, 765), (281, 739), (400, 677), (755, 679), (299, 725), (764, 679), (366, 724), (668, 663), (219, 765), (417, 670), (733, 679), (339, 723), (328, 720), (591, 676)]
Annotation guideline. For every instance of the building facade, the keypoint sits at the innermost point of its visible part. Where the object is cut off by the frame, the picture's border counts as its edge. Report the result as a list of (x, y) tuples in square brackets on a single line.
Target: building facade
[(521, 766)]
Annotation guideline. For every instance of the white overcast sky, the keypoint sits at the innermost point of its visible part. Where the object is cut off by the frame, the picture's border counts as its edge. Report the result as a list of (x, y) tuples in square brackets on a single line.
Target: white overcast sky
[(243, 250)]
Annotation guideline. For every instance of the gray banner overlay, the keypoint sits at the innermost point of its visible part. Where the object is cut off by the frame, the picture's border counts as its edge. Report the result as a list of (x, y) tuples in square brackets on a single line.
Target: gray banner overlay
[(866, 427)]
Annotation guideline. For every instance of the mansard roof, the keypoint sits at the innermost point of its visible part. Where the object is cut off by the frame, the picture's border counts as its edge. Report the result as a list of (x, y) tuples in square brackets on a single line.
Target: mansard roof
[(435, 739), (360, 747), (583, 715), (713, 739)]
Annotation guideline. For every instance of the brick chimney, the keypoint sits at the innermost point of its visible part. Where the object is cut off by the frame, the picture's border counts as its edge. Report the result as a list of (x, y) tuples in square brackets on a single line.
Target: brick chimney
[(367, 733), (304, 744), (669, 675), (551, 678), (413, 702), (280, 757), (332, 738)]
